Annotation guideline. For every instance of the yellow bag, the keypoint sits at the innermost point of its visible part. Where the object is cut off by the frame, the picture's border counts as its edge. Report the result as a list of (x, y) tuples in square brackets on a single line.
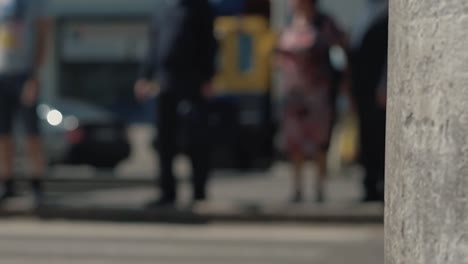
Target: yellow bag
[(349, 139)]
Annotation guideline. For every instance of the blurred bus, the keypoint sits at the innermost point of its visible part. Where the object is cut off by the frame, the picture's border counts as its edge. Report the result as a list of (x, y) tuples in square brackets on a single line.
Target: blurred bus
[(97, 47)]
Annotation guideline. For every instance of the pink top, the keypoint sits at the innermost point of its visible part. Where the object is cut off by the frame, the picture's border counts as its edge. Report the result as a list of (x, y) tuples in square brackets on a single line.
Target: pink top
[(303, 58)]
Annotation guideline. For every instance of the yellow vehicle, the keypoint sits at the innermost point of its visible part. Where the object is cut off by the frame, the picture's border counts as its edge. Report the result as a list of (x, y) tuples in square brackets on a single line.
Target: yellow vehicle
[(243, 85)]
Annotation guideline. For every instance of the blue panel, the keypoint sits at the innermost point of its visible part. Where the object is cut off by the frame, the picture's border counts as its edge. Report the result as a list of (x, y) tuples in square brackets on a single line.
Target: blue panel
[(245, 44)]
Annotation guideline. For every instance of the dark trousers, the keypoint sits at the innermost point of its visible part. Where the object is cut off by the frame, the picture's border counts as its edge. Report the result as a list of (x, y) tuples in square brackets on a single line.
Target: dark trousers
[(372, 129), (11, 87), (195, 125)]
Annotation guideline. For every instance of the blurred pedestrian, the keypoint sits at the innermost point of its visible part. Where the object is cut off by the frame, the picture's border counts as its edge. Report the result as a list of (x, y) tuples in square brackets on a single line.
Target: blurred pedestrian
[(369, 65), (181, 57), (23, 32), (310, 90)]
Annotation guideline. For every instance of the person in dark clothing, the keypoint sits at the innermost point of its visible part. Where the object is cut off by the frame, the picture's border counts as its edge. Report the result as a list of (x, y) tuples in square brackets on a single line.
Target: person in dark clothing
[(181, 58), (369, 74), (24, 28)]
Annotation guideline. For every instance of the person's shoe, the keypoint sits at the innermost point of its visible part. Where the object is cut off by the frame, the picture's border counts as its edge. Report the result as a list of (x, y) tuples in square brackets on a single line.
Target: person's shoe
[(162, 202)]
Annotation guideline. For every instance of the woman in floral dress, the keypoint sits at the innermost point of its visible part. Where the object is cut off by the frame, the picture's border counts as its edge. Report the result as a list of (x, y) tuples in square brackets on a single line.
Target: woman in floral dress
[(308, 112)]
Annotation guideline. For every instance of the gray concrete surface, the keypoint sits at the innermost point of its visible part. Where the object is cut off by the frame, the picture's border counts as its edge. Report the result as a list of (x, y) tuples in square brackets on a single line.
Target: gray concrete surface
[(25, 242), (80, 192), (254, 196), (261, 196), (272, 186), (427, 159)]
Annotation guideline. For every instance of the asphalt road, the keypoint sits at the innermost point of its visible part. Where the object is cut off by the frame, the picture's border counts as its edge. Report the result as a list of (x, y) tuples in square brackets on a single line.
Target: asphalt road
[(27, 241)]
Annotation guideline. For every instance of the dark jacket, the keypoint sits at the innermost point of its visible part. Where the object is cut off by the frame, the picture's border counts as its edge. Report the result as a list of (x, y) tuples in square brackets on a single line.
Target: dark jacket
[(182, 46), (369, 64)]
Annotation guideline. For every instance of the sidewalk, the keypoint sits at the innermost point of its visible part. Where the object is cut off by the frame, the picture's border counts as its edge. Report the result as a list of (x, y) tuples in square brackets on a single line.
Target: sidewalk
[(253, 197)]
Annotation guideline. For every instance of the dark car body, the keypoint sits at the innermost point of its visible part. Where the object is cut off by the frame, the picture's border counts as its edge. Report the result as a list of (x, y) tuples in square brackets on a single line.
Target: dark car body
[(85, 135)]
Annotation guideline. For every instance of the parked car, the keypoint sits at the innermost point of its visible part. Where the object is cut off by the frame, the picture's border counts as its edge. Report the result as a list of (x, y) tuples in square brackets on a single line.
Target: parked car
[(77, 133)]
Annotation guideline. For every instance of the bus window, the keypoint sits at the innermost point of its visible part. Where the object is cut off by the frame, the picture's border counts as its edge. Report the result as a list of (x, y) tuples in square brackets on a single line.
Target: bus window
[(245, 51)]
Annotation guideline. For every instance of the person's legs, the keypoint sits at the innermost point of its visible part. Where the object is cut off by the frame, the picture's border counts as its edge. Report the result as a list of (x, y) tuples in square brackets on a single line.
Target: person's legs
[(380, 156), (6, 157), (293, 146), (6, 166), (321, 157), (37, 166), (36, 156), (199, 151), (368, 155), (167, 128), (7, 110), (370, 182), (297, 159), (371, 172), (34, 150), (321, 175)]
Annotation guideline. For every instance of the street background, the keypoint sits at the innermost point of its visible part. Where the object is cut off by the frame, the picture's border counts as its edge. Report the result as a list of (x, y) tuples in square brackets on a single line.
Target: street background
[(249, 195), (90, 116)]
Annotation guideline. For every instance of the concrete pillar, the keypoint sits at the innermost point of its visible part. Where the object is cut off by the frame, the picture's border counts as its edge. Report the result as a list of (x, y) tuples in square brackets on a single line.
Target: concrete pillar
[(427, 154)]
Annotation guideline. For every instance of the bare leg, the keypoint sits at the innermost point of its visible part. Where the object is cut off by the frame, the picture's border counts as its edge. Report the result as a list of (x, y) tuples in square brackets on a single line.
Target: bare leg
[(6, 157), (37, 161), (298, 177), (6, 166), (36, 157), (321, 176)]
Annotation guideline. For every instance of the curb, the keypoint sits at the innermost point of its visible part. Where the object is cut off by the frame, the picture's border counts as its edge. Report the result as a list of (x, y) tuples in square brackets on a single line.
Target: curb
[(186, 216)]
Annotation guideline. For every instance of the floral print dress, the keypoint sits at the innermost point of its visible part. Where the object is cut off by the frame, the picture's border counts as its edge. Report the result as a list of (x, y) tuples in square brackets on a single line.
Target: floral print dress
[(307, 112)]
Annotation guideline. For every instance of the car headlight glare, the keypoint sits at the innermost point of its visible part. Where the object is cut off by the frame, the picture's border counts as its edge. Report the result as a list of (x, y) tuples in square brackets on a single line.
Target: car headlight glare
[(54, 118), (71, 123)]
